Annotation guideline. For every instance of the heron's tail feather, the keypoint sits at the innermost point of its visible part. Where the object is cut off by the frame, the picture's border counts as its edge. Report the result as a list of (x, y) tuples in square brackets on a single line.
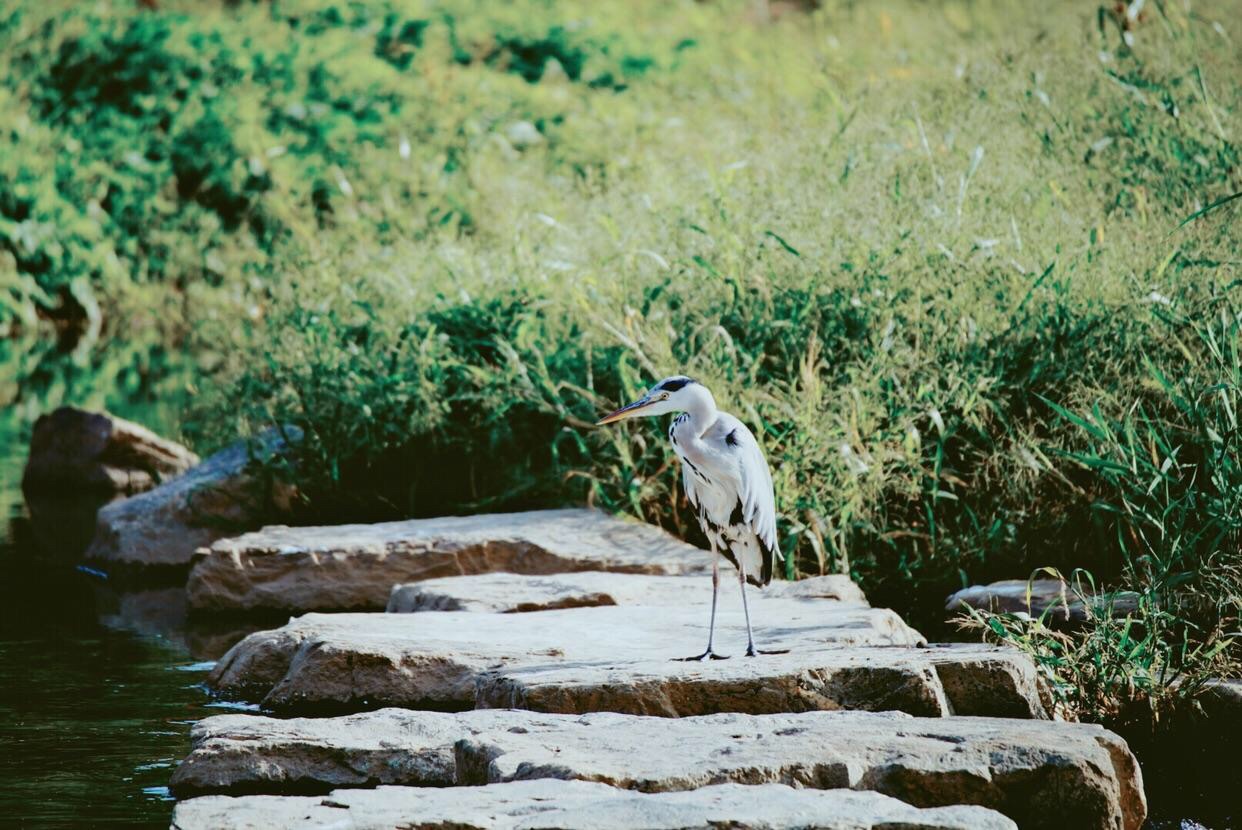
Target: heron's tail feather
[(767, 563)]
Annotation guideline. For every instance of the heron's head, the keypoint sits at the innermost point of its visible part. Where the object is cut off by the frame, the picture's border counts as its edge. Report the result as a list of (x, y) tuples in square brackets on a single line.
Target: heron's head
[(669, 395)]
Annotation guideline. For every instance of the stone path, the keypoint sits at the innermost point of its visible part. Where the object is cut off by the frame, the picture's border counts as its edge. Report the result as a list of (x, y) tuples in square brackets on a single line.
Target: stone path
[(563, 805), (506, 593), (535, 683), (354, 567), (1015, 766)]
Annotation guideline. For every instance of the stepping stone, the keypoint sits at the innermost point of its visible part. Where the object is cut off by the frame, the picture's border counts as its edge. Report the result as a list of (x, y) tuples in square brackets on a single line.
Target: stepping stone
[(935, 682), (214, 499), (348, 662), (619, 659), (354, 567), (581, 805), (253, 754), (1018, 767), (1063, 602), (508, 592)]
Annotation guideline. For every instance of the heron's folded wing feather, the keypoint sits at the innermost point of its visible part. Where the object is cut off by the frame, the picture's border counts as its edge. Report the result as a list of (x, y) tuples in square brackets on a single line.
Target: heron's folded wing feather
[(687, 483), (755, 493)]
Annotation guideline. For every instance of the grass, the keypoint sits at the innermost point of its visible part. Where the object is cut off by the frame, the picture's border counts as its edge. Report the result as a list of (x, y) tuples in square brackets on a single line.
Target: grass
[(927, 253), (1167, 486)]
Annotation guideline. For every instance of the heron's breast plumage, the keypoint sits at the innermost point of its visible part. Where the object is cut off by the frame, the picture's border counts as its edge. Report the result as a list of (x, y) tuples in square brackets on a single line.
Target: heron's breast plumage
[(711, 478)]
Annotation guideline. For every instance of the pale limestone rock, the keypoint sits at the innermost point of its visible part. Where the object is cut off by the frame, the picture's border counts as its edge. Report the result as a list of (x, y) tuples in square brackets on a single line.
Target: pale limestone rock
[(354, 567), (581, 805), (509, 593), (348, 662), (938, 681), (1018, 767), (248, 753), (620, 659), (1040, 774)]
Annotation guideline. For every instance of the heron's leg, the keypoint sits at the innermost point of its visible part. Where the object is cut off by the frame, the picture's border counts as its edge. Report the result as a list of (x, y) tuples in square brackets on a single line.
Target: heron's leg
[(741, 580), (751, 651), (711, 630)]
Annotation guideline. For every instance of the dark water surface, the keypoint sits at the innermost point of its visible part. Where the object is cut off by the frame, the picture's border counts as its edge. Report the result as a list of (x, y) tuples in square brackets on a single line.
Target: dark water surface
[(98, 681)]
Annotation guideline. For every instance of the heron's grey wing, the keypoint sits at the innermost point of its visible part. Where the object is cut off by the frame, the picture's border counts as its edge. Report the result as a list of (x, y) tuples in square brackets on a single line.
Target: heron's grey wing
[(755, 493)]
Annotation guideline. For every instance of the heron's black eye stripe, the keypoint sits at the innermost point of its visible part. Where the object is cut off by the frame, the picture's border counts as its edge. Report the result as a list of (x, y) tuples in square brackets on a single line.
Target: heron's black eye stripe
[(731, 438), (675, 384)]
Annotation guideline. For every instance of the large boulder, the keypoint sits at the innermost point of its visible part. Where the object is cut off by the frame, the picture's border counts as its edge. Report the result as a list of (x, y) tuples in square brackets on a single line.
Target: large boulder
[(1039, 773), (219, 497), (354, 567), (73, 450), (620, 658), (1065, 603), (511, 593), (581, 805)]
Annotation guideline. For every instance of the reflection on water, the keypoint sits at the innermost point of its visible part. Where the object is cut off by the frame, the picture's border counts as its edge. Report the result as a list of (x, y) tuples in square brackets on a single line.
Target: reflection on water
[(91, 719), (100, 680), (93, 711)]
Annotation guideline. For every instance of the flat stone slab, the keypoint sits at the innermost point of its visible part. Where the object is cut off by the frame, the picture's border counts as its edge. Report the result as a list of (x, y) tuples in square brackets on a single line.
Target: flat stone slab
[(254, 754), (506, 593), (937, 681), (581, 805), (348, 662), (354, 567), (1041, 774), (620, 659)]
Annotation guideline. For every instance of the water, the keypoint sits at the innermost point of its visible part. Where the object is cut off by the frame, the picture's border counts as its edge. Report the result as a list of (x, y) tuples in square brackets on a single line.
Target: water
[(92, 718), (99, 682)]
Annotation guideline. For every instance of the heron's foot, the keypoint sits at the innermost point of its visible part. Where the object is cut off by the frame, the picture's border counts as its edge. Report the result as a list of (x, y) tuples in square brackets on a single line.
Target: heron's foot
[(751, 651), (699, 658)]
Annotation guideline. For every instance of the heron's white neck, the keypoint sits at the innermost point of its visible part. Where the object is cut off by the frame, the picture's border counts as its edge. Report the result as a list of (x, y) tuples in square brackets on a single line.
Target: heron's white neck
[(701, 407)]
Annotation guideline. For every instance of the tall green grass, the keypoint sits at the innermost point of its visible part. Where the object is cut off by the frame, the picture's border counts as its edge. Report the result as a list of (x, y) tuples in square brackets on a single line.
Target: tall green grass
[(904, 242), (1166, 485)]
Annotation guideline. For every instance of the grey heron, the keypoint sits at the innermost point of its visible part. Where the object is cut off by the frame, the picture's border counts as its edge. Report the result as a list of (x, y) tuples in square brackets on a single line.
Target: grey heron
[(727, 481)]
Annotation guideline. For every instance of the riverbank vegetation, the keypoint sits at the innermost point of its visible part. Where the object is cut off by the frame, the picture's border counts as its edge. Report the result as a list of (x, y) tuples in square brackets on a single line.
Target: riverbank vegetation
[(969, 271)]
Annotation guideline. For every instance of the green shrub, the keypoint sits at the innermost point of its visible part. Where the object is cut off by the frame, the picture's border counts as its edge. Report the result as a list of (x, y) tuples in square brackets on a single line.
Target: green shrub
[(1165, 485), (893, 239), (173, 130), (894, 260)]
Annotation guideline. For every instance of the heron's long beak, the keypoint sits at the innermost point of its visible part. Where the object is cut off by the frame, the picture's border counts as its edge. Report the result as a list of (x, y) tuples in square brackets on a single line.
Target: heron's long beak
[(624, 412)]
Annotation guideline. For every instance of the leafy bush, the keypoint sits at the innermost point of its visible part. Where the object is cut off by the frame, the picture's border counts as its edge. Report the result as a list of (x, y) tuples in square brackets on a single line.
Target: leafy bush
[(897, 282), (173, 130), (1166, 481), (442, 242)]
